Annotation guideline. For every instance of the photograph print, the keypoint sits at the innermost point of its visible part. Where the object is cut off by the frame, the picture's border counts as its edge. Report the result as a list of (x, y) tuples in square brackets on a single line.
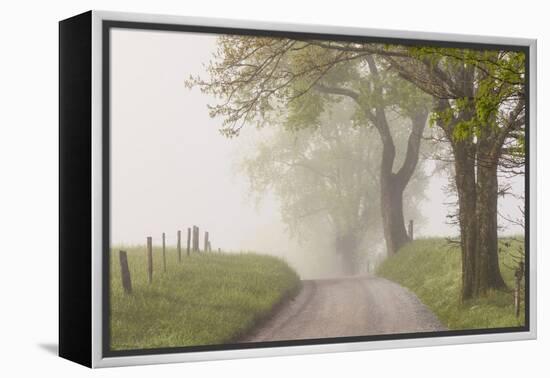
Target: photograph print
[(276, 188)]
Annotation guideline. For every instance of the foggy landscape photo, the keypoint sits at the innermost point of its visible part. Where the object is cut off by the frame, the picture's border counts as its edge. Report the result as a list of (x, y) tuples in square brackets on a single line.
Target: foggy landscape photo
[(283, 188)]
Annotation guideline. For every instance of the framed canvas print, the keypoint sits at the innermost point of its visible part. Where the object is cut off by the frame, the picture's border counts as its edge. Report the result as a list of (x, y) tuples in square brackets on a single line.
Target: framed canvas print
[(235, 189)]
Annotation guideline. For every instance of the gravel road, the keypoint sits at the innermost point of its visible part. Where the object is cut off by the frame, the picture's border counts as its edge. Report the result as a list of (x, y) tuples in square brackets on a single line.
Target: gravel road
[(355, 306)]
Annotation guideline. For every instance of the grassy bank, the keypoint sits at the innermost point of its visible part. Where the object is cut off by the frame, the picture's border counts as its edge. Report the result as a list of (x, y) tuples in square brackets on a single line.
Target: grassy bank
[(207, 299), (431, 269)]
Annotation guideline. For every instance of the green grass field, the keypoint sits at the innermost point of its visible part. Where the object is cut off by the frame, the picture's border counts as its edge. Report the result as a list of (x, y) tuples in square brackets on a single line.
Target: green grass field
[(210, 298), (431, 269)]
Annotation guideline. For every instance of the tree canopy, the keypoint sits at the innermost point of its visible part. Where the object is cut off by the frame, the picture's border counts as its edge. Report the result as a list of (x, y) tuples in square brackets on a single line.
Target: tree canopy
[(476, 97), (326, 181)]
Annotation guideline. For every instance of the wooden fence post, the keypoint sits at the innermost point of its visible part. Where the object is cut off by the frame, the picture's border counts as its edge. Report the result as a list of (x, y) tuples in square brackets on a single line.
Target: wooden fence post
[(206, 241), (150, 258), (517, 291), (188, 240), (179, 245), (194, 239), (164, 251), (197, 239), (125, 272), (411, 230)]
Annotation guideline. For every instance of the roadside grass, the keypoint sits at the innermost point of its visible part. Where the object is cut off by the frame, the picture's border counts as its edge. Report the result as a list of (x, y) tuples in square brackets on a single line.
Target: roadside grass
[(208, 298), (431, 268)]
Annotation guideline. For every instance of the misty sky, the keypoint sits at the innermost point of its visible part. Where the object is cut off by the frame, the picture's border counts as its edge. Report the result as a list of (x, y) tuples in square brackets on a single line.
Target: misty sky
[(171, 168)]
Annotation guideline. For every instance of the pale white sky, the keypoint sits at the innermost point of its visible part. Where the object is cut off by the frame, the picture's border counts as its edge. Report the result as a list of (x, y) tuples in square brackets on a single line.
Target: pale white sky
[(170, 167)]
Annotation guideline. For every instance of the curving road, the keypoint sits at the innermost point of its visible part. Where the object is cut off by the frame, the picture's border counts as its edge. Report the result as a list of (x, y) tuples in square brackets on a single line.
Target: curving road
[(354, 306)]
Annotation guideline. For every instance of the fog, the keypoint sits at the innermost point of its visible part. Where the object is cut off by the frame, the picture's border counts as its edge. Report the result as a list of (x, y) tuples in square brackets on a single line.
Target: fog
[(171, 168)]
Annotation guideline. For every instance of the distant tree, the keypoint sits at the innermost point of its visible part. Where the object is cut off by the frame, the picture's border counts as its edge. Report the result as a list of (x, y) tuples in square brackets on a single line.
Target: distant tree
[(257, 79), (327, 179)]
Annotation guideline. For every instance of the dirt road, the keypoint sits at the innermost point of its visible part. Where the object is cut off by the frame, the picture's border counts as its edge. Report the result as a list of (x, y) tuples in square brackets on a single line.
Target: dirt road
[(355, 306)]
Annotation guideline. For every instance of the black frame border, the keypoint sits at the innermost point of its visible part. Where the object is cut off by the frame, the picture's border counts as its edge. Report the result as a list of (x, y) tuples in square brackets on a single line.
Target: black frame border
[(108, 25), (75, 188)]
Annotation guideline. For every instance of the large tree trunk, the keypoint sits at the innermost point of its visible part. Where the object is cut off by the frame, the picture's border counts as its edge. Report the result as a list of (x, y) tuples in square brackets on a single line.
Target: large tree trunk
[(392, 185), (489, 276), (465, 180), (477, 188), (393, 220)]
